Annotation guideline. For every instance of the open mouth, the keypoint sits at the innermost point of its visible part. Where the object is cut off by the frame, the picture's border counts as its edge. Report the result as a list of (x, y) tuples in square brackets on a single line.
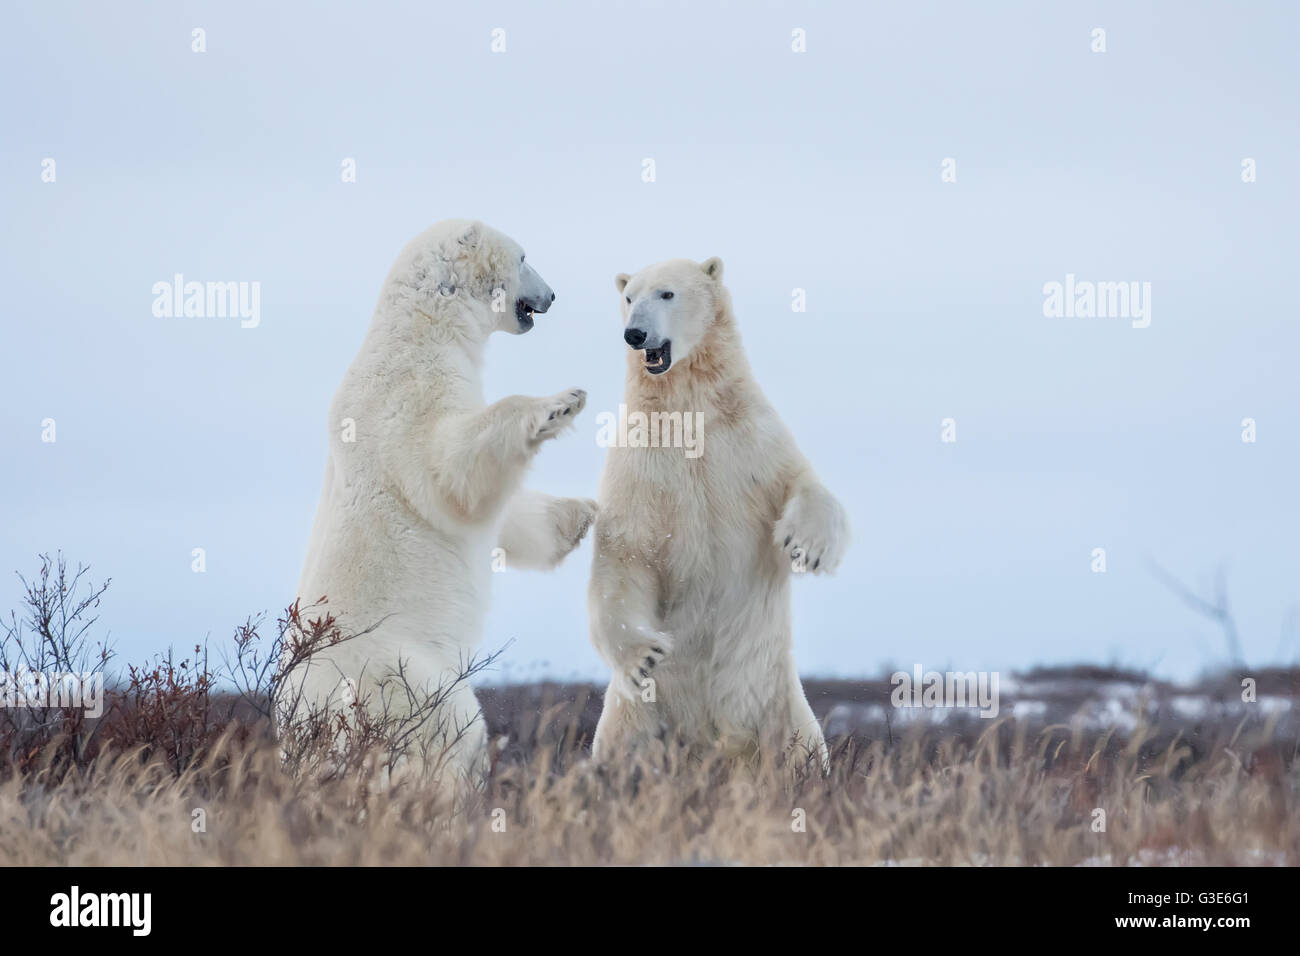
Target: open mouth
[(524, 315), (658, 360)]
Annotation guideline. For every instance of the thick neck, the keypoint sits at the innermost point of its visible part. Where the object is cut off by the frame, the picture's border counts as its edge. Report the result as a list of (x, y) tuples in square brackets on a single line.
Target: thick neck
[(432, 327)]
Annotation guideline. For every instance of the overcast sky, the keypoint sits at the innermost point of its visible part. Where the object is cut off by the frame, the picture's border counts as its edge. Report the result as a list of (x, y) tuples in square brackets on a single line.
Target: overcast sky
[(819, 170)]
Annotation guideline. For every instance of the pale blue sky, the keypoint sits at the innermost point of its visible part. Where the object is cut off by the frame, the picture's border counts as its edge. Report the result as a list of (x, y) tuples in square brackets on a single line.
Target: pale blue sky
[(818, 170)]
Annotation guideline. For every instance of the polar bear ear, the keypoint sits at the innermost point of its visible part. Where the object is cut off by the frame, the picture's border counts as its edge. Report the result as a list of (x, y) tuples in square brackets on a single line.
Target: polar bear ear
[(712, 268), (621, 280), (472, 235)]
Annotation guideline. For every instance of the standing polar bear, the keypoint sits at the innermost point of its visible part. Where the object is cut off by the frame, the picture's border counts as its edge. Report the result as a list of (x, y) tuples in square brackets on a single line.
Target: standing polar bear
[(422, 483), (694, 547)]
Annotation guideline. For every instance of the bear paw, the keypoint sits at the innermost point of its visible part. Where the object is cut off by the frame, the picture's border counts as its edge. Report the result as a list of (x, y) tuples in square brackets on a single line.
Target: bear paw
[(638, 657), (573, 517), (556, 413), (813, 532)]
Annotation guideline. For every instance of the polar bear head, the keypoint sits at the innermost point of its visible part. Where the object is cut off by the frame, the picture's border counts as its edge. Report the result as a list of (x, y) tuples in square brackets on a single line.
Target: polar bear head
[(467, 265), (668, 307)]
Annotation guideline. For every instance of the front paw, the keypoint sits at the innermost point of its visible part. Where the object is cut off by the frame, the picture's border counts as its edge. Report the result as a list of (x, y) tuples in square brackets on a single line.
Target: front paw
[(573, 517), (636, 657), (812, 532), (554, 414)]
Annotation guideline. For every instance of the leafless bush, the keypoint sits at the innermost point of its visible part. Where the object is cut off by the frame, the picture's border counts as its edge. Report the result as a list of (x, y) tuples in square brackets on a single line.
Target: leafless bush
[(51, 634), (395, 725), (165, 710), (176, 711), (1214, 607)]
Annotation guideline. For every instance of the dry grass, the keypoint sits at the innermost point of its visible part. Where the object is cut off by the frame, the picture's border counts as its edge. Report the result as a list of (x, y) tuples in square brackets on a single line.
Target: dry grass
[(1002, 798), (178, 774)]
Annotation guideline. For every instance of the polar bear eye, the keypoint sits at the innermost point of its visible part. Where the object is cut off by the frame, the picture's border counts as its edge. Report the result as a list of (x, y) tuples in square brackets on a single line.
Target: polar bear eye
[(665, 295), (629, 299)]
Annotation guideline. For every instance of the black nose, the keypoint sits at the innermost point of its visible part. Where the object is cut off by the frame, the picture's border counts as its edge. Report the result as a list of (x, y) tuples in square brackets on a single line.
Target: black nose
[(634, 337), (552, 298)]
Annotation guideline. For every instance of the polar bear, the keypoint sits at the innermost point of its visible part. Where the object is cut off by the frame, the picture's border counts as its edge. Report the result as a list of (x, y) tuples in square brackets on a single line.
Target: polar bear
[(689, 597), (422, 483)]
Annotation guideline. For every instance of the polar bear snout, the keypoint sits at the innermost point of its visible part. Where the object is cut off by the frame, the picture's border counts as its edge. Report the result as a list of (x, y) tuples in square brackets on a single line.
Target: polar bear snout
[(658, 352), (534, 296), (658, 349)]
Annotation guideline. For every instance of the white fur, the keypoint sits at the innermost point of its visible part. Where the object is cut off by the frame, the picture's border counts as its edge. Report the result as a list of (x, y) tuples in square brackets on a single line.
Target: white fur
[(692, 564), (412, 509)]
